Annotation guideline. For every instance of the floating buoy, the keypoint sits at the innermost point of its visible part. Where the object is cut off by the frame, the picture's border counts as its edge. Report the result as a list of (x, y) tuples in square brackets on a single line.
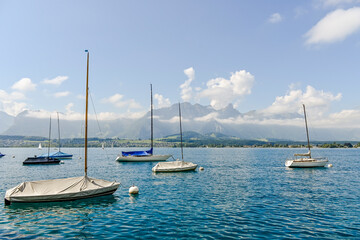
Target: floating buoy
[(13, 156), (134, 190), (201, 168), (330, 165)]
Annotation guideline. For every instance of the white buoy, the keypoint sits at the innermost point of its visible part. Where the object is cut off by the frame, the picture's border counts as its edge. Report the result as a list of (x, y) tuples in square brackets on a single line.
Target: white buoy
[(13, 156), (330, 165), (134, 190), (201, 168)]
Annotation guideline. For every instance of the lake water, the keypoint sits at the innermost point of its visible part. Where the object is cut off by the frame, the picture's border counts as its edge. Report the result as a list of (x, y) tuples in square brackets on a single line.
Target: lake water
[(242, 193)]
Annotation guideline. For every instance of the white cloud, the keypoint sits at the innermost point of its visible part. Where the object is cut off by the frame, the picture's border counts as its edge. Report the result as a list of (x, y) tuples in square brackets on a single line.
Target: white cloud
[(222, 91), (162, 102), (335, 26), (117, 101), (208, 117), (317, 101), (186, 90), (61, 94), (24, 85), (56, 81), (69, 107), (275, 18), (9, 102)]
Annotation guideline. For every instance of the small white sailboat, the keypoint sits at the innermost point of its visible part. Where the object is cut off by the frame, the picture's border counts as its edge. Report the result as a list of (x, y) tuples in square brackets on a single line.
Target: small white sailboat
[(40, 147), (304, 160), (144, 156), (103, 145), (67, 189), (175, 166)]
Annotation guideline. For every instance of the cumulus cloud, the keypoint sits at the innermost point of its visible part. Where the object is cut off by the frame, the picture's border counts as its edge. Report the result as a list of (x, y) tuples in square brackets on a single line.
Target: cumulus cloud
[(162, 102), (24, 84), (221, 91), (61, 94), (186, 89), (335, 26), (275, 18), (9, 102), (317, 101), (117, 100), (56, 81)]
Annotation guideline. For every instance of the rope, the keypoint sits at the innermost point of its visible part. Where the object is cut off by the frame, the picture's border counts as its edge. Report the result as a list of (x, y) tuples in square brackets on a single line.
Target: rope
[(97, 120)]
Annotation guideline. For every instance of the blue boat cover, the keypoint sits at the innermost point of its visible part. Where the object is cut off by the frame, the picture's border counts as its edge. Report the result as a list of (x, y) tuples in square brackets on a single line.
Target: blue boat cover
[(138, 153), (58, 154), (1, 155)]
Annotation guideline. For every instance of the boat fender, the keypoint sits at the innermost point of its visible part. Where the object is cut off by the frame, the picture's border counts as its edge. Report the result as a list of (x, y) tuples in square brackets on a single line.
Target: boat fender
[(330, 165), (134, 190), (201, 168)]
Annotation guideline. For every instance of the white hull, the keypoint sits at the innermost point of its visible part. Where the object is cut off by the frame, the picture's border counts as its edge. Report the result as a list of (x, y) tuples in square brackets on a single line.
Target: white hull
[(306, 163), (57, 190), (151, 158), (175, 166)]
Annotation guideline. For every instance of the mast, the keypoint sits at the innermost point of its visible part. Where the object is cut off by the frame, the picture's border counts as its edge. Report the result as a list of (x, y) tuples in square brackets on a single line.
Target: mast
[(307, 131), (59, 130), (152, 123), (181, 140), (86, 110), (49, 137)]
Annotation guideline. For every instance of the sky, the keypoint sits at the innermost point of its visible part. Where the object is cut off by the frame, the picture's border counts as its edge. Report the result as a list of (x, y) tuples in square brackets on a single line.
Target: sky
[(268, 56)]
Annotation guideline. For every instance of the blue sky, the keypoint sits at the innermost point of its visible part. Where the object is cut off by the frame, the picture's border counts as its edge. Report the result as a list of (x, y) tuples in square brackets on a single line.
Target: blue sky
[(268, 56)]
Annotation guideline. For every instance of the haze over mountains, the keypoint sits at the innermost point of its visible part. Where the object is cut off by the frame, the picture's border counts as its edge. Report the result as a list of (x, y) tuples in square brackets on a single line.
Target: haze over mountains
[(197, 118)]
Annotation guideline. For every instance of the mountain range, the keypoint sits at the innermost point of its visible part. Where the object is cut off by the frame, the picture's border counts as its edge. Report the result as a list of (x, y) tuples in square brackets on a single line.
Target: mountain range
[(195, 117)]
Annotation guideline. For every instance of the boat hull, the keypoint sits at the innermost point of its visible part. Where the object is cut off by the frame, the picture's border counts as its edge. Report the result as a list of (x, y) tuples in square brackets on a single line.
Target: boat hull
[(151, 158), (306, 163), (41, 160), (21, 194)]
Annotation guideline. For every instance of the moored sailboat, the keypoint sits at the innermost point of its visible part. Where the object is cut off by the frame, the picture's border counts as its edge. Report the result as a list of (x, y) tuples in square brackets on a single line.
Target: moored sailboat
[(144, 156), (67, 189), (43, 159), (176, 166), (304, 160), (59, 154)]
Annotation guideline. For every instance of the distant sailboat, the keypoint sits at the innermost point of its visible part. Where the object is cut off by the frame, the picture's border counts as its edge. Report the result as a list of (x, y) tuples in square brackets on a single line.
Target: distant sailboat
[(176, 166), (66, 189), (59, 154), (42, 159), (39, 146), (304, 160), (103, 145), (144, 156)]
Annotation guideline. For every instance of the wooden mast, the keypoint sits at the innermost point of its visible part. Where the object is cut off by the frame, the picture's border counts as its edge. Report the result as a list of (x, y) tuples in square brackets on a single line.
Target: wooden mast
[(152, 123), (307, 131), (86, 110), (181, 140)]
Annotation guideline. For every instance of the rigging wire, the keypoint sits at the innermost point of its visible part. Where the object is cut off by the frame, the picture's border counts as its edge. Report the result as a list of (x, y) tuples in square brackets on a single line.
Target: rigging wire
[(97, 120)]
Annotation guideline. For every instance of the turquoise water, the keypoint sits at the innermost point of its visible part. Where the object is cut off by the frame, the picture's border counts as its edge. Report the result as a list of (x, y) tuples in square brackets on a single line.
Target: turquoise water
[(242, 193)]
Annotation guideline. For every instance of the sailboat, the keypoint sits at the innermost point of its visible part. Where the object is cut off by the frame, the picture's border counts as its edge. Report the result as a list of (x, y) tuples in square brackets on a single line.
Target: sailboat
[(43, 159), (39, 146), (304, 160), (66, 189), (176, 166), (59, 154), (143, 156)]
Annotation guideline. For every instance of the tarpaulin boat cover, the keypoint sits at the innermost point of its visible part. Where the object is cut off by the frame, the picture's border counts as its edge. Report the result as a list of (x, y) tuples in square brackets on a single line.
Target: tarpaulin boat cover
[(58, 154), (138, 153), (174, 166), (60, 189)]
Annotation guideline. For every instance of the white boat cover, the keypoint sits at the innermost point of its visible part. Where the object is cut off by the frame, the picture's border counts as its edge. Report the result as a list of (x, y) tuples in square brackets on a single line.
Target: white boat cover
[(174, 166), (60, 189)]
